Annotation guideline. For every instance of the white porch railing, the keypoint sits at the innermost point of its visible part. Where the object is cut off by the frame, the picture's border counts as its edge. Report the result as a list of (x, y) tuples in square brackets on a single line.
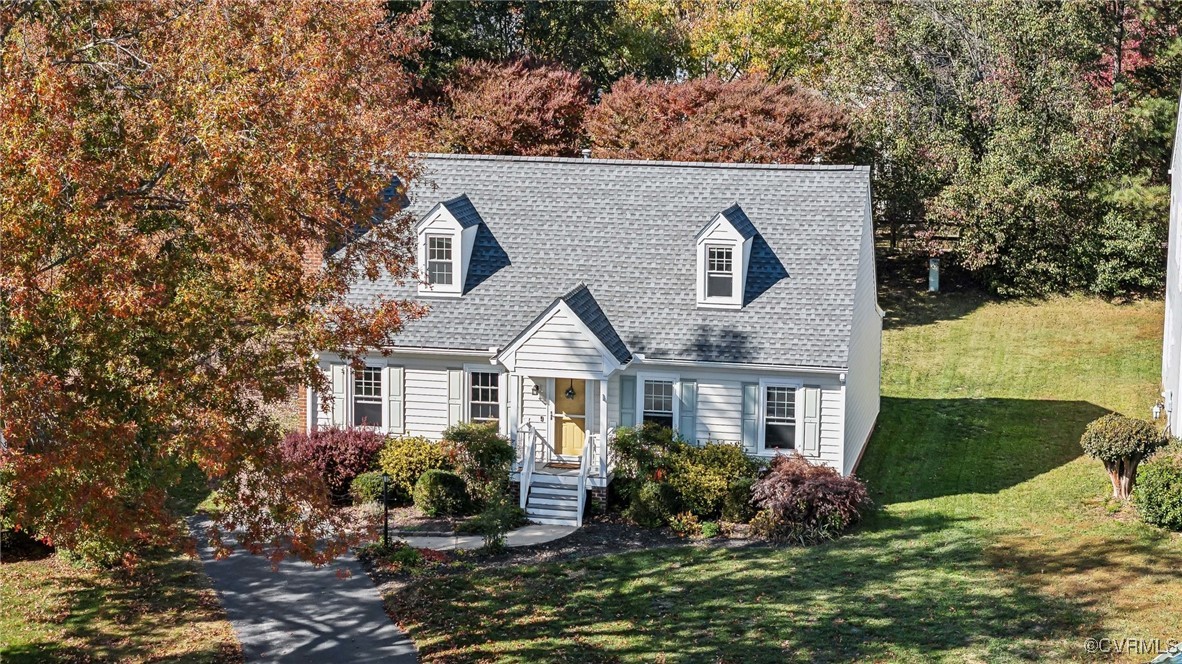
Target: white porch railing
[(528, 441)]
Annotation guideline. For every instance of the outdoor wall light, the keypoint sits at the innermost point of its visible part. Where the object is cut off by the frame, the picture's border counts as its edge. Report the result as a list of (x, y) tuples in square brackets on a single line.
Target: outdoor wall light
[(535, 390)]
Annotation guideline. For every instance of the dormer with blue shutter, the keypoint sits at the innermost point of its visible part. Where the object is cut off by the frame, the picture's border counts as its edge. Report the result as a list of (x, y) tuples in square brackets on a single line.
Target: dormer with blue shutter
[(446, 236), (724, 252)]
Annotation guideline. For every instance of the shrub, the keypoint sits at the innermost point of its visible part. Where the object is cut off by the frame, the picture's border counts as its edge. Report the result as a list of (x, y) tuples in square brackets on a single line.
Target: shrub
[(737, 506), (497, 519), (441, 493), (1121, 443), (336, 455), (702, 475), (1159, 492), (806, 503), (645, 452), (482, 456), (653, 504), (685, 524), (366, 487), (406, 458), (711, 529)]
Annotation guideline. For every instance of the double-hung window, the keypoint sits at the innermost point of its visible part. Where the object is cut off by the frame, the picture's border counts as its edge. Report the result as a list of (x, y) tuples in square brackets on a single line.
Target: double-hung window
[(658, 402), (439, 261), (367, 397), (720, 271), (779, 421), (484, 397)]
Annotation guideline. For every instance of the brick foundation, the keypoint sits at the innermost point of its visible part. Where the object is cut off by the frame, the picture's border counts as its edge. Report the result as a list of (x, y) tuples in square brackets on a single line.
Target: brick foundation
[(598, 499)]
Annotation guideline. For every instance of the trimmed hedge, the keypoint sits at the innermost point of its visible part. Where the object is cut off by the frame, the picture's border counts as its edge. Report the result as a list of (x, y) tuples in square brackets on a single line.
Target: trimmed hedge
[(442, 493), (366, 488), (1159, 492)]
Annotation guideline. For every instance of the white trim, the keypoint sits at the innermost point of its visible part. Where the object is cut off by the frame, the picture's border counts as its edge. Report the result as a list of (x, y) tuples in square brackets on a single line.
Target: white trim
[(761, 414), (701, 364), (656, 376), (502, 395)]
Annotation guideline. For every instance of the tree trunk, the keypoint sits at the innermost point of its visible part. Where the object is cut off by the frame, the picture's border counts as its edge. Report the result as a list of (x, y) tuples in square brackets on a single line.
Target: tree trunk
[(1123, 474)]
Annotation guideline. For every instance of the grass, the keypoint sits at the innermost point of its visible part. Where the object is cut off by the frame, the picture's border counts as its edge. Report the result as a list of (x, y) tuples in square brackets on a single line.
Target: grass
[(163, 611), (992, 542)]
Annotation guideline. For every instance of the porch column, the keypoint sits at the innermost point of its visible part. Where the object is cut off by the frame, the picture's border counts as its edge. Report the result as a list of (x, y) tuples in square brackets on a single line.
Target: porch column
[(513, 406), (603, 427)]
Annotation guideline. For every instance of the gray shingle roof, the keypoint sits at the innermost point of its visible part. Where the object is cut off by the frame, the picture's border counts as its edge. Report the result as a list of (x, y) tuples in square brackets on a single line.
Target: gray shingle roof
[(583, 304), (461, 208), (626, 229)]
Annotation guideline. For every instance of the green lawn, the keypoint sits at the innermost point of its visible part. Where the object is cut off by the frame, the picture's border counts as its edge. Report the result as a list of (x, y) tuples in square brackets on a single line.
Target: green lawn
[(163, 611), (993, 542)]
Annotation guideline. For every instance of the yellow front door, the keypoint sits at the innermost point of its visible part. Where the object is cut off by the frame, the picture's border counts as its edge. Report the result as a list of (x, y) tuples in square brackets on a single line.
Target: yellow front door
[(570, 416)]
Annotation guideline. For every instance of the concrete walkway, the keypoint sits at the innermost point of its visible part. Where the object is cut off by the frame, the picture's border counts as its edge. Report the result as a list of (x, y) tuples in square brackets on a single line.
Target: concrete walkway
[(525, 536), (303, 614)]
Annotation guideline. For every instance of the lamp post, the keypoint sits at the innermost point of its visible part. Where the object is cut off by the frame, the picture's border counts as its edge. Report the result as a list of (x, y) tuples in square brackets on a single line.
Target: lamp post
[(385, 511)]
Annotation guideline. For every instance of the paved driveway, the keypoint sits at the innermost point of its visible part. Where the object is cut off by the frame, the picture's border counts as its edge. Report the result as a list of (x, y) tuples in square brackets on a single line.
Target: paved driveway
[(303, 614)]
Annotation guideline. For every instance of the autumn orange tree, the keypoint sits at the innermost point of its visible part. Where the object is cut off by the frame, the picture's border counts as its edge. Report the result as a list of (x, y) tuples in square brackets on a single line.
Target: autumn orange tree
[(750, 119), (165, 168), (523, 107)]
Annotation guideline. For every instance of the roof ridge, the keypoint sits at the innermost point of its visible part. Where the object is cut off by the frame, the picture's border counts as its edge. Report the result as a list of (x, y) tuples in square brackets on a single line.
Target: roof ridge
[(644, 162)]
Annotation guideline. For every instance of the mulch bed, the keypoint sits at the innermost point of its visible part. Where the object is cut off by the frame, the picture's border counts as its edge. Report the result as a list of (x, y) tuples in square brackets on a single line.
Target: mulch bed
[(603, 535)]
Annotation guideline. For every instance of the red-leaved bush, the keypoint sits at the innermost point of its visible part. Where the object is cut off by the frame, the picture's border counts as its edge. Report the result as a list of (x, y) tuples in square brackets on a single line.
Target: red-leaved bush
[(806, 503), (336, 455)]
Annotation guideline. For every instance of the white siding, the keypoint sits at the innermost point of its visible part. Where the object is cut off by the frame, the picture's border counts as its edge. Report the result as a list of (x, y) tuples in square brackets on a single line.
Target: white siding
[(558, 345), (865, 358), (720, 403), (1171, 372), (534, 408), (426, 402), (720, 406)]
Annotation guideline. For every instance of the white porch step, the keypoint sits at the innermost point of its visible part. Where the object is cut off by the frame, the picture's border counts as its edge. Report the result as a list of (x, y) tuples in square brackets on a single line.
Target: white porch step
[(548, 521), (553, 503)]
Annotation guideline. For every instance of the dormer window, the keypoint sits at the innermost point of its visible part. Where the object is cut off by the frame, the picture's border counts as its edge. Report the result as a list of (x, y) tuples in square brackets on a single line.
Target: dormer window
[(720, 272), (439, 261), (446, 236), (724, 250)]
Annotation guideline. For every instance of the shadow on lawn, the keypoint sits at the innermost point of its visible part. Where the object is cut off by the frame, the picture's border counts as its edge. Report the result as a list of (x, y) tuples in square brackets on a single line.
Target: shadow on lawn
[(117, 615), (914, 588), (926, 448)]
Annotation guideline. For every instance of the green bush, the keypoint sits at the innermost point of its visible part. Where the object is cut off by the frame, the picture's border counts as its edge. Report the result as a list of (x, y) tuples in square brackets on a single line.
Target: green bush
[(441, 493), (653, 504), (710, 529), (702, 476), (1121, 443), (1159, 492), (645, 452), (406, 458), (366, 488), (482, 456), (737, 506), (497, 519)]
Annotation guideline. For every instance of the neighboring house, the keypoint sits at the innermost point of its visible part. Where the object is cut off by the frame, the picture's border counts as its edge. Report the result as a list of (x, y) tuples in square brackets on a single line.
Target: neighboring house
[(1171, 357), (568, 297)]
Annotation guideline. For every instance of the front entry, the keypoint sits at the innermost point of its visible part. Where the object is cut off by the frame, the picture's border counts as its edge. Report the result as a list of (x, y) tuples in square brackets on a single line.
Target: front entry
[(570, 416)]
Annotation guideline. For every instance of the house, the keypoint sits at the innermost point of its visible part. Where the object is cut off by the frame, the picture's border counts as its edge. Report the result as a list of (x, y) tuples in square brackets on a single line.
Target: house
[(1171, 356), (568, 297)]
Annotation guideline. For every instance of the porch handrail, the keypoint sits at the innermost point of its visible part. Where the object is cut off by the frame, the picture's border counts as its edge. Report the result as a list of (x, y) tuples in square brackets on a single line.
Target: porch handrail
[(529, 448), (584, 468), (607, 457)]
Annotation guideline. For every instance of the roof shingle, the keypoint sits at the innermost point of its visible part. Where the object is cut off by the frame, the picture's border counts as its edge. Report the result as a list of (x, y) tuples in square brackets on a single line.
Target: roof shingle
[(626, 230)]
